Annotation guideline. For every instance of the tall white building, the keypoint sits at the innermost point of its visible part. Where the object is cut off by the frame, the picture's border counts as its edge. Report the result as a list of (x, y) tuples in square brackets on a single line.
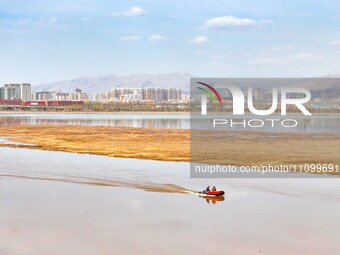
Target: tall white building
[(25, 91), (22, 91)]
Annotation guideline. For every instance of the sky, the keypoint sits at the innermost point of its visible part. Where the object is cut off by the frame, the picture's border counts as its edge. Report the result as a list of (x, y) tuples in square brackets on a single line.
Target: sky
[(52, 40)]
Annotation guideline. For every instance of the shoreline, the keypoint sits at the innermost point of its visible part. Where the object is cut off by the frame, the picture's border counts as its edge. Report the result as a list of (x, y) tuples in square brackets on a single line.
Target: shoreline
[(62, 112), (149, 112)]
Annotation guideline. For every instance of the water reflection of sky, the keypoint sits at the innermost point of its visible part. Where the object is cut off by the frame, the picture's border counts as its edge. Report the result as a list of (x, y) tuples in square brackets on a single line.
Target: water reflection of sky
[(177, 121), (267, 216), (330, 124)]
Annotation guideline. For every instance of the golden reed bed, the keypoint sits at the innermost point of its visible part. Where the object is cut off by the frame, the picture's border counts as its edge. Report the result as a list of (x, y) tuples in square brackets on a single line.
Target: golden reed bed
[(154, 144), (235, 148)]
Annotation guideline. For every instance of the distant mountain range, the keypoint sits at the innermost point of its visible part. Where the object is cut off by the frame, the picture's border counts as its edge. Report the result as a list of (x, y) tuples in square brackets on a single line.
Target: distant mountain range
[(107, 82), (318, 86)]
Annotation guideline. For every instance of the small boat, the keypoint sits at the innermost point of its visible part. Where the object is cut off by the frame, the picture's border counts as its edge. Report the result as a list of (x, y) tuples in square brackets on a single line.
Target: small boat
[(216, 193)]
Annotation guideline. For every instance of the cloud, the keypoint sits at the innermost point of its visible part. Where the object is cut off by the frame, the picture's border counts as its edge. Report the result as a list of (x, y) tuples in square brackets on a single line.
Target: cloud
[(133, 11), (156, 38), (233, 22), (31, 25), (303, 56), (333, 43), (266, 60), (131, 38), (199, 40), (228, 21), (270, 59)]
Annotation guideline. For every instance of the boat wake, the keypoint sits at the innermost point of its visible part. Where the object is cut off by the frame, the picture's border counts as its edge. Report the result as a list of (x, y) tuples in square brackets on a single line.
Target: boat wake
[(151, 176), (143, 185)]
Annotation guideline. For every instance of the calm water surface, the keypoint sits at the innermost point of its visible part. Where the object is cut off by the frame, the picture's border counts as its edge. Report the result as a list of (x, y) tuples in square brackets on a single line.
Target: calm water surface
[(178, 121), (316, 124), (62, 203)]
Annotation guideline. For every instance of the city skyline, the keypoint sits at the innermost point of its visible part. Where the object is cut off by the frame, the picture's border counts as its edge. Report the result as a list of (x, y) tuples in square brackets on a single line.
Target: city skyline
[(24, 92)]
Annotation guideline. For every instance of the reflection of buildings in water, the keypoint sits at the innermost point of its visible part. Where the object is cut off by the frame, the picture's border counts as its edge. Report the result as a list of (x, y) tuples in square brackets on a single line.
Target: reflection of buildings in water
[(316, 124), (137, 123), (321, 124)]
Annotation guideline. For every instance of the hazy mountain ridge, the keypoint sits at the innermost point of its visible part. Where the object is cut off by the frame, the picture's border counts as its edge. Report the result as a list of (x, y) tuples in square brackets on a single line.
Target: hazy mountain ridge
[(328, 84), (107, 82)]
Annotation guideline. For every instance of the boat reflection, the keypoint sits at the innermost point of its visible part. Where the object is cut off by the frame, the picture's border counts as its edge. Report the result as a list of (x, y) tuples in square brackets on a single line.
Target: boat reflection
[(214, 200)]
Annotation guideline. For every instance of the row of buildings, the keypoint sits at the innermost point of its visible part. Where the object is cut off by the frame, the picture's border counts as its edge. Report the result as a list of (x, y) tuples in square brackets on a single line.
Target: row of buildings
[(140, 94), (261, 95), (78, 95), (23, 91)]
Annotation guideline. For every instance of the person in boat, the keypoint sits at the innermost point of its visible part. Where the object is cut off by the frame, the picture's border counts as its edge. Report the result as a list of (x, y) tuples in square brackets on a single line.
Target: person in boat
[(213, 188), (207, 189)]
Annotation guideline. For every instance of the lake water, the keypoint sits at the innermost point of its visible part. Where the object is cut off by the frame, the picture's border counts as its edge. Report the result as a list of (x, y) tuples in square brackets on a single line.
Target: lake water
[(62, 203), (177, 121), (315, 124)]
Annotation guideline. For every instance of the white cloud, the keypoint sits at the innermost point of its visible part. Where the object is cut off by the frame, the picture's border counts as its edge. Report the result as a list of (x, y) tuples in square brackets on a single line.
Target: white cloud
[(131, 38), (229, 21), (30, 25), (303, 56), (133, 11), (333, 43), (266, 60), (156, 38), (199, 40)]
